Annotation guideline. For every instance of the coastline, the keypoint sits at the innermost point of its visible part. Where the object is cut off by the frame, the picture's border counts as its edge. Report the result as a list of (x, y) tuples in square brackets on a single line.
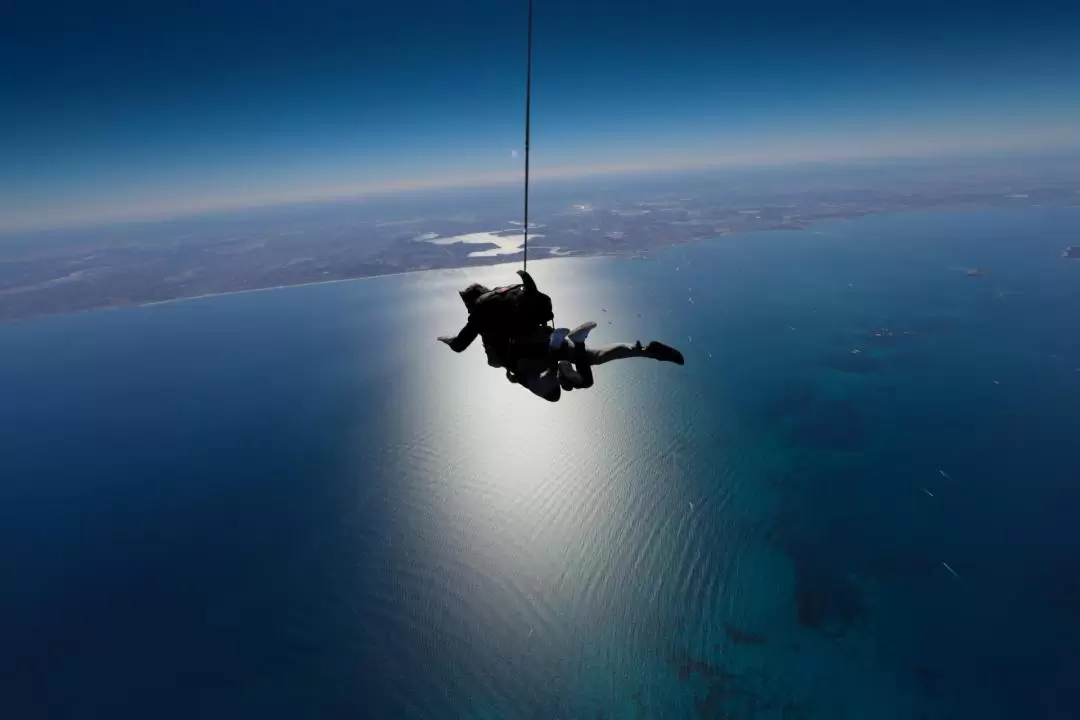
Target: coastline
[(312, 283), (269, 288), (811, 227)]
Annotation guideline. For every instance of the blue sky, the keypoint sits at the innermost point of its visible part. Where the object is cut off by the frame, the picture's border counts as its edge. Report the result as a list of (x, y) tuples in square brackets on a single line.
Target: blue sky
[(137, 109)]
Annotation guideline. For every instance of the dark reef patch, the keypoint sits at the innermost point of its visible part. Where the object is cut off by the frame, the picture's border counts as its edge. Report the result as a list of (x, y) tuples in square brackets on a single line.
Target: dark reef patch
[(854, 361), (827, 601), (739, 636), (790, 400), (831, 425), (737, 696)]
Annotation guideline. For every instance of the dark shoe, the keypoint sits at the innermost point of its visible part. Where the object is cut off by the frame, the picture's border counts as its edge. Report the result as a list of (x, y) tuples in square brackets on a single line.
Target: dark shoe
[(664, 353)]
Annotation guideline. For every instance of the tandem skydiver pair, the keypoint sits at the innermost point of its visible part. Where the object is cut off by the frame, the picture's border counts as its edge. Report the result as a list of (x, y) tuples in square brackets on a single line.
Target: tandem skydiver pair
[(515, 325)]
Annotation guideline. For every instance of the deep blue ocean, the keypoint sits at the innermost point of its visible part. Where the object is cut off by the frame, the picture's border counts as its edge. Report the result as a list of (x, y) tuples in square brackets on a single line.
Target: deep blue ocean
[(858, 499)]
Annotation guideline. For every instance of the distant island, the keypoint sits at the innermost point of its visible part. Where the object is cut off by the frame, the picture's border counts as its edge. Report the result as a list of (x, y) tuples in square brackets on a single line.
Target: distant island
[(64, 271)]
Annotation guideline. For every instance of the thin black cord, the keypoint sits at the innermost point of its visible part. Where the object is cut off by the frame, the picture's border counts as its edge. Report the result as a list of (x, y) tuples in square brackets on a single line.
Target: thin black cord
[(528, 118)]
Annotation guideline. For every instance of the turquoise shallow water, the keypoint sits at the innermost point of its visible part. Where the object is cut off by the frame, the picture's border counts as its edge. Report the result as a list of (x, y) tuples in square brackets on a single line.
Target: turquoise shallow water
[(295, 503)]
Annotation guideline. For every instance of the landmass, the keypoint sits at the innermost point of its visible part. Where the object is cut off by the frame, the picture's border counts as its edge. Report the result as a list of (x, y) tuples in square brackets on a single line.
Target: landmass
[(1072, 252), (71, 270)]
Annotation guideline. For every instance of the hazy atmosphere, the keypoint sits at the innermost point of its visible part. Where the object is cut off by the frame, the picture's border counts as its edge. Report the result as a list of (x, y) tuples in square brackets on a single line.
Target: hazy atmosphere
[(117, 111)]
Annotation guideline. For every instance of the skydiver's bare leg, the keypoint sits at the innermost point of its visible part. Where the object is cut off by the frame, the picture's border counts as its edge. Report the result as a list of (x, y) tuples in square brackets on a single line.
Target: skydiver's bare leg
[(580, 376), (600, 354), (621, 351), (583, 357)]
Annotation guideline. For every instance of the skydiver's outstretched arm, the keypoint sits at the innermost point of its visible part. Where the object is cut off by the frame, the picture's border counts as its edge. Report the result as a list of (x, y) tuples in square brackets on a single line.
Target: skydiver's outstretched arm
[(463, 339)]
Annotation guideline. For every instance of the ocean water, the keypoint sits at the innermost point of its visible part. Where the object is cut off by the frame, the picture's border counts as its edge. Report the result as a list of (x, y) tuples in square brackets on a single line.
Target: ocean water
[(295, 503)]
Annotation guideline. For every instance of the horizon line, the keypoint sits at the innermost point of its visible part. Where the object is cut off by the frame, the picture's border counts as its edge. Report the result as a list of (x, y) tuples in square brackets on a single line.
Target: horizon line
[(345, 193)]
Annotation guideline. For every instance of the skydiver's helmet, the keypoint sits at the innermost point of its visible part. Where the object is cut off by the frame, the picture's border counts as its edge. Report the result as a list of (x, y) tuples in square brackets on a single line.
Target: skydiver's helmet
[(471, 294)]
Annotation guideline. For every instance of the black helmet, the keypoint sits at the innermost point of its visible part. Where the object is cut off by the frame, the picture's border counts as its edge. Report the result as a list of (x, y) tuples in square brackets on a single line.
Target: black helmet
[(471, 294)]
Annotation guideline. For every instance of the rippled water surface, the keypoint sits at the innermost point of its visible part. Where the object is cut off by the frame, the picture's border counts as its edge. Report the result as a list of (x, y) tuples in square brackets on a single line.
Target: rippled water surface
[(856, 500)]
